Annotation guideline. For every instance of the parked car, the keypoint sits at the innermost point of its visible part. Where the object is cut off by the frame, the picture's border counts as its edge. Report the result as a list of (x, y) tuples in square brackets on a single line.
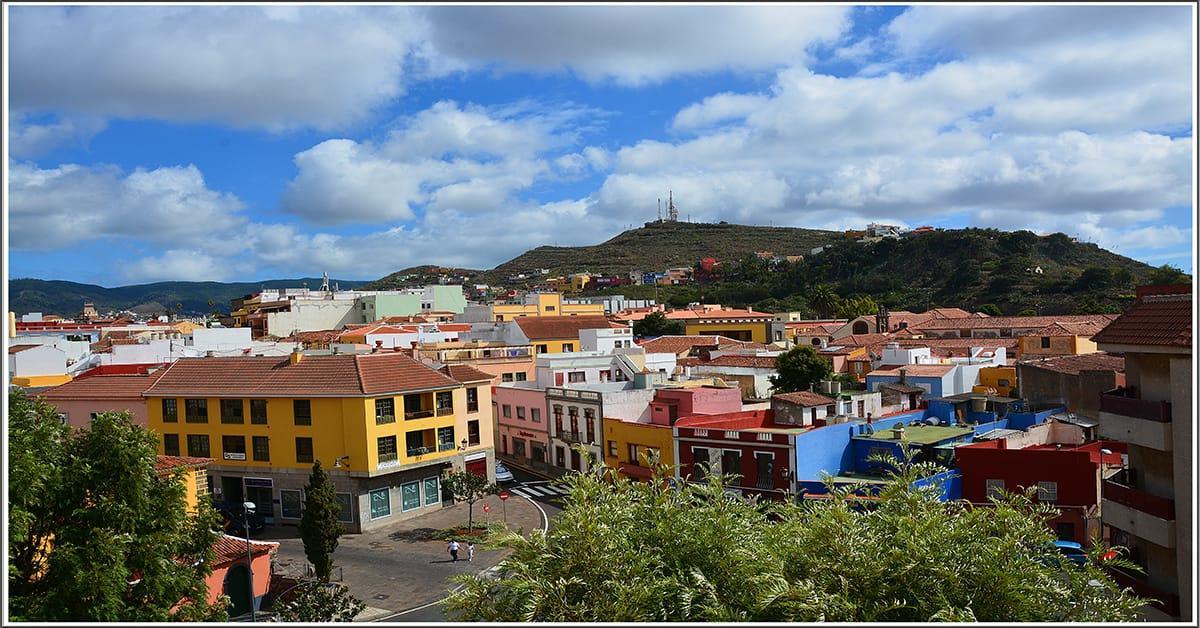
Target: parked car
[(1073, 551), (233, 519), (502, 473)]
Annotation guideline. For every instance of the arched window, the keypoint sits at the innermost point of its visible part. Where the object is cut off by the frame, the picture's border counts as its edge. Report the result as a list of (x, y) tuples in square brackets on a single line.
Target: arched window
[(861, 327)]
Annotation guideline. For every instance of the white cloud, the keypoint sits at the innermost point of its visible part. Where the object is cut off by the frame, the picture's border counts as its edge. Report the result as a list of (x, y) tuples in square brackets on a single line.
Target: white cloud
[(57, 207), (273, 67), (28, 140), (178, 265), (632, 45)]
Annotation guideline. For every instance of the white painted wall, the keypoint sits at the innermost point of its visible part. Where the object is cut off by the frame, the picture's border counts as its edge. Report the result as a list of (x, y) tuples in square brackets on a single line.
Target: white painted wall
[(40, 360), (313, 316), (220, 338)]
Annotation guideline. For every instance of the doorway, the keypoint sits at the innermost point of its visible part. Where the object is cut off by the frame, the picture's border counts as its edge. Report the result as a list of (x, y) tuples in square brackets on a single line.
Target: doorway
[(261, 492), (237, 587), (576, 461), (231, 490)]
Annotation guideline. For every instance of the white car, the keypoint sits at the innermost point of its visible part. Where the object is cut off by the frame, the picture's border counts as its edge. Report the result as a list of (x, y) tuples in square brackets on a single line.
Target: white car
[(503, 474)]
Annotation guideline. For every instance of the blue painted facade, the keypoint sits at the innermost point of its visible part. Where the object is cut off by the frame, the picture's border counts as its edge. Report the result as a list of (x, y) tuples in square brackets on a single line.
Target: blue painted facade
[(934, 383), (827, 449)]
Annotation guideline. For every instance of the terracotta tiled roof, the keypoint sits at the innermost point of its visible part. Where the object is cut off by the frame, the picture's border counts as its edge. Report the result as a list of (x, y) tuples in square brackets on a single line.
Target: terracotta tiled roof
[(915, 370), (104, 387), (804, 398), (861, 340), (19, 348), (1010, 322), (228, 549), (1162, 320), (743, 361), (167, 463), (1075, 364), (1086, 328), (313, 376), (406, 319), (948, 312), (560, 327), (325, 336), (466, 374), (717, 314)]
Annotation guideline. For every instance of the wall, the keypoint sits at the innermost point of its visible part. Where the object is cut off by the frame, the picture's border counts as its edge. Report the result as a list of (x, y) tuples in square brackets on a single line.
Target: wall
[(624, 433), (756, 332), (41, 360), (934, 386), (313, 316), (79, 411), (1182, 385), (260, 567), (220, 338), (1079, 393), (1002, 378), (827, 449), (508, 428), (446, 298)]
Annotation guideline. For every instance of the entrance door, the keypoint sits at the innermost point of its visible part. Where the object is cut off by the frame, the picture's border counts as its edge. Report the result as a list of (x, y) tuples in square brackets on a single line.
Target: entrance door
[(576, 461), (231, 490), (237, 587), (560, 459), (478, 467), (261, 491)]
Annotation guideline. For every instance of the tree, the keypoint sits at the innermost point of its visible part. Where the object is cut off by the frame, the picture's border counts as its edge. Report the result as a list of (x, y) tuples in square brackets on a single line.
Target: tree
[(798, 369), (657, 324), (990, 309), (1168, 274), (319, 524), (696, 554), (1027, 312), (824, 300), (320, 602), (857, 306), (464, 486), (96, 533)]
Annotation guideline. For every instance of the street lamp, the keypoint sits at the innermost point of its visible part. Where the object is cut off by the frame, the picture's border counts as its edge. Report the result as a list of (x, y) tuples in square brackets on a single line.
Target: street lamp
[(247, 510), (462, 446)]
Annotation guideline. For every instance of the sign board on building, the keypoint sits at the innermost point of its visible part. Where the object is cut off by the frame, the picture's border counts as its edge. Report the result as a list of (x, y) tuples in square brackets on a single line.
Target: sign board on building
[(229, 455)]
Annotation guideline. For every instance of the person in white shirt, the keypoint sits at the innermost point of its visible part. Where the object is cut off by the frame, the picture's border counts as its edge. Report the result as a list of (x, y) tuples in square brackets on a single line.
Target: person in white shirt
[(470, 551), (453, 547)]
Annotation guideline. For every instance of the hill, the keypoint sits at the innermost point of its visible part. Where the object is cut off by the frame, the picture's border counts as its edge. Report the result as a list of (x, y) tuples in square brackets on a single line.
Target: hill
[(660, 245), (66, 298)]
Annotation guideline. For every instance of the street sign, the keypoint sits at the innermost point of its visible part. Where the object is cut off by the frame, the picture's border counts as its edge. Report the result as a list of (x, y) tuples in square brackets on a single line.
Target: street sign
[(487, 508), (503, 496)]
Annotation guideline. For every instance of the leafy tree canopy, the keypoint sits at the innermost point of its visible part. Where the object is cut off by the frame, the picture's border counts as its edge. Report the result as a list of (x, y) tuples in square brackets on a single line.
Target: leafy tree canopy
[(628, 552), (319, 524), (96, 532), (990, 309), (464, 486), (798, 369), (657, 324), (320, 602)]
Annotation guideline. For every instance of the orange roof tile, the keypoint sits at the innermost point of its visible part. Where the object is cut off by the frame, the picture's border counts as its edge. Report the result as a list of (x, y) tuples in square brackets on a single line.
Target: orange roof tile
[(742, 361), (1162, 320), (466, 374), (718, 314), (1010, 322), (804, 398), (560, 327), (313, 376), (168, 463), (103, 387), (1075, 364), (228, 549), (915, 370), (19, 348)]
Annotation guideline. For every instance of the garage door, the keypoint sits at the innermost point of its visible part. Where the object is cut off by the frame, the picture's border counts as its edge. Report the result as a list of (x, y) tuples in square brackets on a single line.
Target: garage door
[(478, 467)]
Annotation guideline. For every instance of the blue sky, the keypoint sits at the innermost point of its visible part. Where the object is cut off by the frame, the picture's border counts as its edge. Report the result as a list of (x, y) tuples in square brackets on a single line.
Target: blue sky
[(244, 143)]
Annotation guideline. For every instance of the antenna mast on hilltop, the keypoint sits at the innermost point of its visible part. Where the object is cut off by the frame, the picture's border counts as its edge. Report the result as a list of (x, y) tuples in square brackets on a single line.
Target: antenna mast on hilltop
[(672, 212), (660, 209)]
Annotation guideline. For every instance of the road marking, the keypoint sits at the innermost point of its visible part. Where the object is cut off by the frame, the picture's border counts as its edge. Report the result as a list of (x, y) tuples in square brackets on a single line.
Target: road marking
[(532, 491)]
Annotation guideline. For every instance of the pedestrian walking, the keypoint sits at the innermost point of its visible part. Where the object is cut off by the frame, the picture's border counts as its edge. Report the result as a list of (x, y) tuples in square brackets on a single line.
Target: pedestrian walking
[(470, 551), (453, 547)]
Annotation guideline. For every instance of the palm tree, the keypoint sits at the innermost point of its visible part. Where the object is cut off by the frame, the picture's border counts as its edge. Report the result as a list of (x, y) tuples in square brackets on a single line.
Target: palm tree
[(824, 300)]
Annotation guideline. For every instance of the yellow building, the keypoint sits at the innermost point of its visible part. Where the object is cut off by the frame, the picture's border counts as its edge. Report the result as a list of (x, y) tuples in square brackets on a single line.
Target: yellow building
[(1061, 339), (731, 323), (385, 427), (544, 304), (557, 334), (192, 473), (628, 446), (1001, 379)]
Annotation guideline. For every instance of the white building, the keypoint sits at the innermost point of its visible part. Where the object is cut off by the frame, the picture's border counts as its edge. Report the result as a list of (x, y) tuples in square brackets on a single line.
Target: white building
[(35, 360)]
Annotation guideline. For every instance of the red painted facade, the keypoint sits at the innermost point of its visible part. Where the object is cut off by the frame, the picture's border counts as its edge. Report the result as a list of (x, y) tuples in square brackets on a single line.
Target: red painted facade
[(747, 433)]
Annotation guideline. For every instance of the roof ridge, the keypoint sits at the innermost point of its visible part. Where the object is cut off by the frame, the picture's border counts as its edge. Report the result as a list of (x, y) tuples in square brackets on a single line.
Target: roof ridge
[(362, 386)]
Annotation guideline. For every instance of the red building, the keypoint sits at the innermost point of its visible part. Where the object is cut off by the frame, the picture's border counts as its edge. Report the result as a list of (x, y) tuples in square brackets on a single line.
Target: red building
[(749, 444), (1053, 458)]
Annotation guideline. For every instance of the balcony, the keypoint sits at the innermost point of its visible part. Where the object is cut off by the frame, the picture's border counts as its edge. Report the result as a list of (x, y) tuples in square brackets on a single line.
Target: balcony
[(418, 414), (1115, 490), (568, 393), (416, 452), (384, 419), (1124, 401), (444, 411), (1131, 420), (1163, 600), (387, 461)]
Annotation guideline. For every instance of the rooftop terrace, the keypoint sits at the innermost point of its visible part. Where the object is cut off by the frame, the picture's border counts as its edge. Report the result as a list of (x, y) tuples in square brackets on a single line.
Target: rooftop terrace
[(920, 434)]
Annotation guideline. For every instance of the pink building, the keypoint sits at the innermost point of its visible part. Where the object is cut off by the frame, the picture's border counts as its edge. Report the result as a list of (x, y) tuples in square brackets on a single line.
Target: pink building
[(82, 398), (671, 403), (230, 576), (522, 435)]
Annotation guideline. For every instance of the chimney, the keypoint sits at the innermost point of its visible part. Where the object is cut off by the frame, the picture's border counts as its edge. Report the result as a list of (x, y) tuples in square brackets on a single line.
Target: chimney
[(297, 355), (903, 376), (378, 346), (416, 353)]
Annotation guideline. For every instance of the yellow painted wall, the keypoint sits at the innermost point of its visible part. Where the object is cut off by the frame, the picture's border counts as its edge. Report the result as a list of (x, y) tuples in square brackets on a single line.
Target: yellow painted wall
[(991, 377), (561, 345), (340, 427), (758, 331), (623, 433), (1059, 345), (38, 381), (547, 304)]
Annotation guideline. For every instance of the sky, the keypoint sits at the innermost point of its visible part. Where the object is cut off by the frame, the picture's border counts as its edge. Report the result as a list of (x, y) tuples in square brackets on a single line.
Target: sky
[(243, 143)]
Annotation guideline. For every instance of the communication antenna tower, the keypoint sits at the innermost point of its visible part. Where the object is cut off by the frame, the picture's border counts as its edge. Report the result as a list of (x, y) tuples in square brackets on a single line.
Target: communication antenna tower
[(672, 212), (660, 209)]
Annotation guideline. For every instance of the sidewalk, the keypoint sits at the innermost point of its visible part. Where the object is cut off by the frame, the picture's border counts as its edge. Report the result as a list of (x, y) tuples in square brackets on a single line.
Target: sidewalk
[(398, 567)]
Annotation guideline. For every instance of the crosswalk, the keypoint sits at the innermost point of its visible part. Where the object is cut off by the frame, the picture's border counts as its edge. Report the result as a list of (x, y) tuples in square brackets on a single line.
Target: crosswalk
[(539, 490)]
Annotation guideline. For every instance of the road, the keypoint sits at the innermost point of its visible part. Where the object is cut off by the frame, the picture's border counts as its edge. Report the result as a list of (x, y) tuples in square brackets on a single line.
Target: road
[(544, 494)]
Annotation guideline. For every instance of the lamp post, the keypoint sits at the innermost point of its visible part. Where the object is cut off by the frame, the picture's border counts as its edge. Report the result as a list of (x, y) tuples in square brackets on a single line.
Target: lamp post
[(247, 510)]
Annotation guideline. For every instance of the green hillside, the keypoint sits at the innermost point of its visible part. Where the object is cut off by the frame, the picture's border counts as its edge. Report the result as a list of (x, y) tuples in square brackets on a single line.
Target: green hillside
[(66, 298)]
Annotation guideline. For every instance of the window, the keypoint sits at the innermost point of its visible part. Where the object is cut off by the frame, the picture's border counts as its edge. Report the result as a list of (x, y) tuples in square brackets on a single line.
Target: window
[(170, 411), (385, 411), (304, 449), (519, 376), (764, 464), (386, 447), (445, 402), (541, 348), (506, 377), (1003, 382), (633, 454), (589, 417), (472, 432), (1047, 491), (521, 412), (568, 347), (233, 447), (576, 377), (560, 457), (506, 411), (445, 437), (1045, 342), (170, 444), (699, 463), (472, 400), (612, 449), (558, 426), (518, 447), (291, 503), (262, 448), (195, 410), (231, 411), (258, 411), (410, 496), (346, 512), (197, 445), (381, 503), (994, 488), (535, 415), (302, 411), (731, 462), (549, 308), (433, 494)]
